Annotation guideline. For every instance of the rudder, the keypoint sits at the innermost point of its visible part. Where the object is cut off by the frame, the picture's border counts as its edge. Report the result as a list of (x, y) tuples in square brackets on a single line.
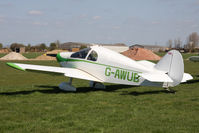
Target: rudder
[(173, 65)]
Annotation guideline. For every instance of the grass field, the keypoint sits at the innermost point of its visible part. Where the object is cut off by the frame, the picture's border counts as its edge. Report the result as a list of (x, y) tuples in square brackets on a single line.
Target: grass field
[(32, 102), (1, 55), (30, 55), (184, 55)]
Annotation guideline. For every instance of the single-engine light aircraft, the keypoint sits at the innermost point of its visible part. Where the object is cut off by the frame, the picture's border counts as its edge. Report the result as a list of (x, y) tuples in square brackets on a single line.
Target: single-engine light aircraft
[(100, 65)]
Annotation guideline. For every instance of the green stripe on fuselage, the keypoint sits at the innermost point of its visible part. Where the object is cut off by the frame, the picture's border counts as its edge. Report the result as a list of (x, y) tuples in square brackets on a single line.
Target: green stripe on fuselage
[(59, 58)]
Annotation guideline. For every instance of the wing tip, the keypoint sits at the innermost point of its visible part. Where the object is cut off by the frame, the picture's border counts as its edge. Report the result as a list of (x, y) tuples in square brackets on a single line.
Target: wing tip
[(14, 66)]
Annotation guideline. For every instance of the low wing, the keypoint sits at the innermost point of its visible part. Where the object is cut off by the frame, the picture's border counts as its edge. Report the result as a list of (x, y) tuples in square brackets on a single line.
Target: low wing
[(69, 72)]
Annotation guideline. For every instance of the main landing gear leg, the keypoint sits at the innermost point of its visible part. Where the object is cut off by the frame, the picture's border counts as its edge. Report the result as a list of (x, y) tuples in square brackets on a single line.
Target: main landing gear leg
[(67, 86), (97, 85)]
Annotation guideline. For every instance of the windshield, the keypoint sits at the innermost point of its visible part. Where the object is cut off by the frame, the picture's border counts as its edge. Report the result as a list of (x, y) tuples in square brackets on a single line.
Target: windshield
[(92, 56), (81, 54)]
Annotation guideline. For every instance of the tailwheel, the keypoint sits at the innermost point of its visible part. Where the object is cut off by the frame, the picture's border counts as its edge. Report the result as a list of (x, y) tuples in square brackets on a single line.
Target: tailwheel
[(67, 86), (97, 85), (170, 90)]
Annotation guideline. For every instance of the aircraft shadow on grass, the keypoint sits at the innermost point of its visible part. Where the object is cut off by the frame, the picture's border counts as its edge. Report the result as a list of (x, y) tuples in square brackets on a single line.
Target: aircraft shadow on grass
[(55, 90), (136, 93), (192, 81)]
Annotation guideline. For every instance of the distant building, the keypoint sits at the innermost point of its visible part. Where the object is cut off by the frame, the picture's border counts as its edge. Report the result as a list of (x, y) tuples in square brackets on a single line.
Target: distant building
[(5, 50), (118, 49), (70, 45), (75, 49), (153, 48), (74, 46), (20, 49), (136, 46)]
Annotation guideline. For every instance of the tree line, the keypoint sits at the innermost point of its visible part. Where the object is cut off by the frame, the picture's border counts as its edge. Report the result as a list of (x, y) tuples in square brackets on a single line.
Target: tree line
[(192, 42), (36, 48)]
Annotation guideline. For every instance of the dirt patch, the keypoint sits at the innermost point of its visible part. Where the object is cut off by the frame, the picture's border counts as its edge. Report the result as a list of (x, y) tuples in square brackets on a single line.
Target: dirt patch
[(13, 56), (75, 49), (5, 50), (141, 54)]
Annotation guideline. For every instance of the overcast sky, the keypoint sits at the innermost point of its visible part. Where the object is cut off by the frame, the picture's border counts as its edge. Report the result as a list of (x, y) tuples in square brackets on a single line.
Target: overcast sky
[(97, 21)]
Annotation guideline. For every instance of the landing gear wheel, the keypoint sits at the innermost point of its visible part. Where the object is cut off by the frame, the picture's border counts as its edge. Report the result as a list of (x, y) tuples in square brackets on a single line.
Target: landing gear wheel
[(170, 90), (67, 86), (97, 85)]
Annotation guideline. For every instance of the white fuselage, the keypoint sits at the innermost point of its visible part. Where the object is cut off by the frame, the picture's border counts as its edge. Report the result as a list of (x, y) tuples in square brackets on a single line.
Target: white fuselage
[(110, 67)]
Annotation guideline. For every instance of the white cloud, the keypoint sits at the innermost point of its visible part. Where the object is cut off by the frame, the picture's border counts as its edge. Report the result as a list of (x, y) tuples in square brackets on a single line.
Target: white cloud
[(194, 25), (40, 23), (155, 22), (96, 17), (83, 16), (115, 27), (197, 2), (35, 12), (2, 19), (6, 5)]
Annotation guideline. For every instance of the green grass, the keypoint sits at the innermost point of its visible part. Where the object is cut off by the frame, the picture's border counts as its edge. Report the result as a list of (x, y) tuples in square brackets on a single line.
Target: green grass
[(32, 102), (2, 54), (184, 55), (32, 55)]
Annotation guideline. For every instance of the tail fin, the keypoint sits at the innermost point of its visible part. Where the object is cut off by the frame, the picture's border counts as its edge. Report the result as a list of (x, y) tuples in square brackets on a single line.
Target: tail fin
[(172, 64)]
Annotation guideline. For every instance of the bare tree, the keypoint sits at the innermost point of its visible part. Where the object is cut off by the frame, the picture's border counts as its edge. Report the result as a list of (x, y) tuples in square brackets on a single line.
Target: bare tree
[(53, 46), (13, 46), (170, 44), (1, 45), (177, 43), (43, 47), (57, 42), (28, 47), (192, 41)]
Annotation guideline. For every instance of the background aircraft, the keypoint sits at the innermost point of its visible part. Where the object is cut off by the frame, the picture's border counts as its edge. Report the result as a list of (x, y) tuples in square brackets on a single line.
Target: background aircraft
[(100, 65), (194, 58)]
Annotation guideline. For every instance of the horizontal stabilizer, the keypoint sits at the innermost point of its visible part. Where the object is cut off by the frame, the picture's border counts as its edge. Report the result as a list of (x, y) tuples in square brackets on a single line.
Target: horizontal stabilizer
[(156, 77), (186, 77)]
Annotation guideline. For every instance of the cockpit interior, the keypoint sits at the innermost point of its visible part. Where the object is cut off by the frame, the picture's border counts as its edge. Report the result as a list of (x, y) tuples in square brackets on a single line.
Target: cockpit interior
[(86, 53)]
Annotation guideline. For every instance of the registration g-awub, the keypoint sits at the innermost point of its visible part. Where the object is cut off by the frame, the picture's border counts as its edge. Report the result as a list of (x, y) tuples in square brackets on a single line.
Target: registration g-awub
[(100, 65)]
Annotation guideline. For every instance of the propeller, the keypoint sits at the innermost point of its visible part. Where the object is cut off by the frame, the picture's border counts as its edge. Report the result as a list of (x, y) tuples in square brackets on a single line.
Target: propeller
[(52, 55)]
